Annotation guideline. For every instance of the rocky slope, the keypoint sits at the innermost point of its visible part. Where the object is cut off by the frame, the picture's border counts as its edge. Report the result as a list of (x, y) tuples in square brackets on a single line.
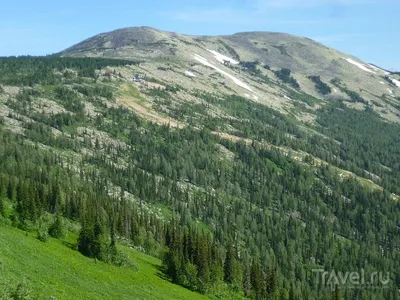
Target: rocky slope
[(197, 62)]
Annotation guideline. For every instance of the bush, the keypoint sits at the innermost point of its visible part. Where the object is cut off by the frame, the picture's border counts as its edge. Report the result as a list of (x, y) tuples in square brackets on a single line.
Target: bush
[(43, 228), (43, 234), (320, 86), (122, 260), (20, 292), (57, 229), (285, 75)]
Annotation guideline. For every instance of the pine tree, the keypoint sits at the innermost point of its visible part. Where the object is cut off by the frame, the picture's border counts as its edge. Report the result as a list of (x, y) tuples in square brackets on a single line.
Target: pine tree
[(232, 268), (98, 244), (271, 284), (22, 202), (256, 280), (2, 208), (113, 244), (85, 239), (336, 294), (292, 295), (246, 279), (202, 262), (172, 265), (229, 266), (10, 190)]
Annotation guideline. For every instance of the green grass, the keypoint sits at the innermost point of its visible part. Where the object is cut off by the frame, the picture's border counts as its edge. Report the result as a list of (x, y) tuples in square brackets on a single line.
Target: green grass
[(54, 269), (133, 92)]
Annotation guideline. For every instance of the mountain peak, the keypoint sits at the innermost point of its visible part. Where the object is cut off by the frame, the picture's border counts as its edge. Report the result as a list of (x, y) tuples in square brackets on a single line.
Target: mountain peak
[(265, 53)]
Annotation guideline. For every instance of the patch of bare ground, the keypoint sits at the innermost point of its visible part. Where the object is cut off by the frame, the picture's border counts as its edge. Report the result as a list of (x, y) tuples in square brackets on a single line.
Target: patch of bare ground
[(47, 106), (12, 123), (229, 155), (10, 90), (101, 137), (90, 110), (143, 108), (231, 137)]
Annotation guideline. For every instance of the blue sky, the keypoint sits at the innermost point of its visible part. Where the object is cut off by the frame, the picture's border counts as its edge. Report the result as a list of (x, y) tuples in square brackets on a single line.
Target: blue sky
[(368, 29)]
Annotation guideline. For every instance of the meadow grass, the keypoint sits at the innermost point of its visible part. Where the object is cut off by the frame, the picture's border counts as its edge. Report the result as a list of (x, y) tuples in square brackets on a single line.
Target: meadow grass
[(56, 269)]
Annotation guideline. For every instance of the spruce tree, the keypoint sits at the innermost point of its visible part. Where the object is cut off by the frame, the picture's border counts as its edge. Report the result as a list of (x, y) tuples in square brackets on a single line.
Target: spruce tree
[(2, 208), (229, 266), (113, 244), (271, 284), (256, 280), (202, 262)]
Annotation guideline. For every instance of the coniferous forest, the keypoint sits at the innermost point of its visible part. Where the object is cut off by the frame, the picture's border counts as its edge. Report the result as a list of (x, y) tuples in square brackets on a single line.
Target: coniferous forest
[(239, 218)]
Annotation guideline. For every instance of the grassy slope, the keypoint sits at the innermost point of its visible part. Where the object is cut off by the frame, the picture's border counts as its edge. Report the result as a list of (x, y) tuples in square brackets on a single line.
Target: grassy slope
[(53, 268)]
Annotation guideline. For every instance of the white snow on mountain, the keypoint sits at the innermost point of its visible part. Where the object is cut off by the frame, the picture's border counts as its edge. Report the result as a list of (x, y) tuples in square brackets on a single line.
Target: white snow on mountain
[(361, 66), (222, 58), (189, 74), (379, 69), (396, 82), (205, 62)]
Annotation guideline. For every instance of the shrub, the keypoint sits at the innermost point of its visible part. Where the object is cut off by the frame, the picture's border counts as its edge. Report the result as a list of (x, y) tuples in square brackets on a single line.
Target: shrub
[(57, 229), (320, 86), (285, 75)]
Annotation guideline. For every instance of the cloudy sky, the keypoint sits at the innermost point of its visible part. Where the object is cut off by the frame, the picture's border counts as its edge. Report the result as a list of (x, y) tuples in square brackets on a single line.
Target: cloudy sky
[(368, 29)]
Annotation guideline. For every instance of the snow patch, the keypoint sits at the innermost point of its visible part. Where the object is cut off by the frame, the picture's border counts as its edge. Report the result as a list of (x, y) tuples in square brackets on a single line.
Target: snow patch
[(361, 66), (396, 82), (287, 97), (222, 58), (379, 69), (390, 91), (189, 74), (381, 82), (255, 97), (247, 95), (205, 62)]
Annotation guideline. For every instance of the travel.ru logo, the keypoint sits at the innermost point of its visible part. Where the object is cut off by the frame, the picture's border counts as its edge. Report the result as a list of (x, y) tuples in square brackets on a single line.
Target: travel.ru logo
[(353, 280)]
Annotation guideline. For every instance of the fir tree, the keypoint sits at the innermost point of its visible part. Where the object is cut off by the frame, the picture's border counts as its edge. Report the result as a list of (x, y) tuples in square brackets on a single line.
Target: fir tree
[(2, 208)]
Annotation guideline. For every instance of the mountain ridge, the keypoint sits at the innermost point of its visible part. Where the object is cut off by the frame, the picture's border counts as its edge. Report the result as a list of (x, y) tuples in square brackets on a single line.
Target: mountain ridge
[(242, 162), (268, 51)]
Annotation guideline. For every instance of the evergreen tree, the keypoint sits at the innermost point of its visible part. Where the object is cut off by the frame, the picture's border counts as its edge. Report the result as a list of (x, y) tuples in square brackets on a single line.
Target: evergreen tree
[(271, 284), (2, 208), (336, 294), (113, 243), (229, 266), (256, 278), (292, 295), (202, 262)]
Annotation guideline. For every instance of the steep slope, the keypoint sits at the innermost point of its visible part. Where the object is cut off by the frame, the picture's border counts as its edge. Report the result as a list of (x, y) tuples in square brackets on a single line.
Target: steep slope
[(66, 274), (245, 177), (202, 56)]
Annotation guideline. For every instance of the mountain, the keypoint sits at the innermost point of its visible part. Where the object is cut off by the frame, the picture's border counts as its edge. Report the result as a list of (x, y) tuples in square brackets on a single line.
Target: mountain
[(302, 56), (148, 164)]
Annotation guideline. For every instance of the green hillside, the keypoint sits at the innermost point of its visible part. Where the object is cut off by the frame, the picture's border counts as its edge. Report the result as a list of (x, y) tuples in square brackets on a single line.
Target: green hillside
[(238, 180), (54, 269)]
